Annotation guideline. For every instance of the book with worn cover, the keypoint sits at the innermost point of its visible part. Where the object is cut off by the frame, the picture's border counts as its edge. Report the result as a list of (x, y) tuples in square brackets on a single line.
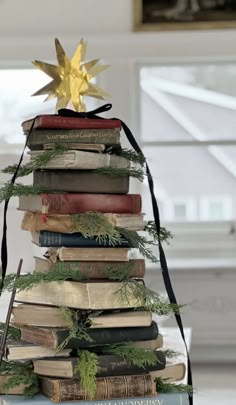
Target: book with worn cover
[(76, 203), (38, 137), (108, 365), (28, 351), (92, 270), (53, 337), (58, 122), (77, 159), (115, 254), (65, 223), (16, 390), (91, 295), (42, 315), (59, 390), (82, 181), (57, 239), (173, 372), (93, 147)]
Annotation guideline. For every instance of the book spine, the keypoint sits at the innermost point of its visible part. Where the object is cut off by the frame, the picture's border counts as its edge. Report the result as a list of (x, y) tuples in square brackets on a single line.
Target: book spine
[(100, 136), (59, 390), (80, 181), (54, 121), (57, 239)]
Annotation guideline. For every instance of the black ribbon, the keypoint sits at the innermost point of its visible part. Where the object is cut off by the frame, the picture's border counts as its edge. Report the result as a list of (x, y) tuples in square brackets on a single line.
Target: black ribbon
[(164, 268)]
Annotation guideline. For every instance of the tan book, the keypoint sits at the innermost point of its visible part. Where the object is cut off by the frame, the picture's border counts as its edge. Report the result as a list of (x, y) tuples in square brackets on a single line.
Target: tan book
[(93, 147), (91, 270), (88, 254), (150, 344), (59, 390), (27, 351), (41, 315), (17, 390), (73, 294), (35, 222), (78, 159), (174, 372)]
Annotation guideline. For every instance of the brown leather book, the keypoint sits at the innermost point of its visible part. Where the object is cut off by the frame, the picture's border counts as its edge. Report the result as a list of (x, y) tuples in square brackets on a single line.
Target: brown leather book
[(59, 390), (92, 270), (81, 181), (76, 203)]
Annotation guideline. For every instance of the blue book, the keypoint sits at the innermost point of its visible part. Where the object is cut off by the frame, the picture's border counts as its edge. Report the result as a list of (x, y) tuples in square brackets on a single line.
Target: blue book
[(161, 399), (57, 239)]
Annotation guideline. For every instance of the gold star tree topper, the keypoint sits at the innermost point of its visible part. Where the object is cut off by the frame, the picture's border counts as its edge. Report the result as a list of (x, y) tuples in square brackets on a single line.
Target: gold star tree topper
[(71, 78)]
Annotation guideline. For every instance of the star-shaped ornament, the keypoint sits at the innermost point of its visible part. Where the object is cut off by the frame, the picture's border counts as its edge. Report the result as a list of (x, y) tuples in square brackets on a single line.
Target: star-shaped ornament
[(71, 78)]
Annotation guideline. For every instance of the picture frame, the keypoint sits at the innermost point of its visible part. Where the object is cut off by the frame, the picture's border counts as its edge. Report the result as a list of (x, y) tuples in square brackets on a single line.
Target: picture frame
[(168, 15)]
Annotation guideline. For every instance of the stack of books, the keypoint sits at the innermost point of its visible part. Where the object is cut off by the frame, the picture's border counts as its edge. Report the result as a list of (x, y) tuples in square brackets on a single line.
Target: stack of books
[(86, 315)]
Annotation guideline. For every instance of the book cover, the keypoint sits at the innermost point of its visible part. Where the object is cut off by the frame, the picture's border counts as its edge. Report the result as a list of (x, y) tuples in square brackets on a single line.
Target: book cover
[(66, 223), (59, 390), (87, 295), (80, 181), (27, 351), (53, 337), (108, 365), (57, 122), (88, 254), (77, 203), (48, 316), (93, 147)]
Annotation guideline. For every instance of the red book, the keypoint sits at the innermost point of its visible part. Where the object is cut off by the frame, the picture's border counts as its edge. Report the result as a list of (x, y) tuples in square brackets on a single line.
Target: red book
[(59, 122), (75, 203)]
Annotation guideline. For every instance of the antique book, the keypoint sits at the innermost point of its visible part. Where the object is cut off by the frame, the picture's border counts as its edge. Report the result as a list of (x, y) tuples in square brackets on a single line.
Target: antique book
[(53, 337), (153, 344), (59, 122), (76, 203), (65, 223), (78, 159), (38, 137), (93, 147), (108, 365), (17, 390), (58, 239), (87, 295), (82, 181), (115, 254), (42, 315), (173, 372), (28, 351), (59, 390), (92, 270)]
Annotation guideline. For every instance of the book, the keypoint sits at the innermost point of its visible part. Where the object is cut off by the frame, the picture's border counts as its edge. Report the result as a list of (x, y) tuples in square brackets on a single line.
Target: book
[(153, 344), (57, 239), (17, 390), (93, 147), (53, 337), (57, 122), (173, 372), (38, 137), (41, 315), (80, 181), (78, 159), (108, 365), (92, 270), (59, 390), (88, 254), (28, 351), (76, 203), (65, 223), (87, 295)]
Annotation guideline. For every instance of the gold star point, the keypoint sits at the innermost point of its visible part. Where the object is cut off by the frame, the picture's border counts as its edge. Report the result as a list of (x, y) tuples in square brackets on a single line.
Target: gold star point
[(71, 79)]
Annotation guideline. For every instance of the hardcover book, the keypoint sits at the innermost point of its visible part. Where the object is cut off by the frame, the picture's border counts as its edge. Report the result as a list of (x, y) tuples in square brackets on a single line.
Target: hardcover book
[(87, 295), (88, 254), (92, 147), (81, 181), (108, 365), (17, 390), (76, 203), (27, 351), (59, 390), (54, 337)]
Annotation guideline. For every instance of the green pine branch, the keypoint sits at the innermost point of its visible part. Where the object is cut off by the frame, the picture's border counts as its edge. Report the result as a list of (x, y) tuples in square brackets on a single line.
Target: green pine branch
[(87, 368), (165, 235), (117, 172), (20, 373), (12, 333), (9, 190), (139, 242), (129, 154), (163, 386), (136, 356)]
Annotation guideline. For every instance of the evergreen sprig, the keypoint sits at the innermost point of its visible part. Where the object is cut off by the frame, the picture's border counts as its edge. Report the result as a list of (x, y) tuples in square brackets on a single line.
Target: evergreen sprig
[(119, 172), (129, 154), (136, 356), (163, 386), (20, 373), (87, 368), (13, 333), (9, 190), (165, 235), (36, 162), (139, 242)]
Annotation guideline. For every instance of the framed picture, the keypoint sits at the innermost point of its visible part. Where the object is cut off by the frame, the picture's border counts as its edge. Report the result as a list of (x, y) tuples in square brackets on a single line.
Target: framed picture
[(153, 15)]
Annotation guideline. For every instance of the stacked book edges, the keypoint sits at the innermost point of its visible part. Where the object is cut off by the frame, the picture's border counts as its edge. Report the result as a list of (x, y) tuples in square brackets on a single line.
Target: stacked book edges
[(81, 317)]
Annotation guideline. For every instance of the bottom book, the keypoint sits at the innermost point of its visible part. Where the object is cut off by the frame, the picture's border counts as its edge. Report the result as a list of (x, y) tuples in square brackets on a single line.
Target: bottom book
[(161, 399)]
